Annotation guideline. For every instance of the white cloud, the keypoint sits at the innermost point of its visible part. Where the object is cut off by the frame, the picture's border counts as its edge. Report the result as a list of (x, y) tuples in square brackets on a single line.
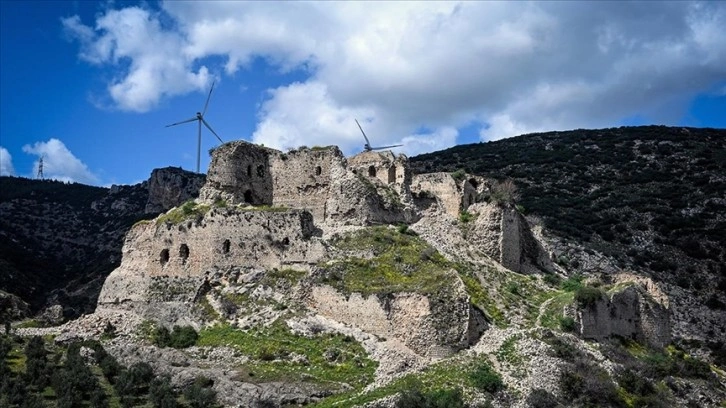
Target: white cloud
[(135, 36), (510, 67), (6, 163), (59, 163)]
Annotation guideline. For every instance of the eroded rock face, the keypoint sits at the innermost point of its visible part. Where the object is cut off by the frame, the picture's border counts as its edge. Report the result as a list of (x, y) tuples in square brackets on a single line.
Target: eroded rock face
[(430, 325), (171, 186), (629, 312), (503, 234)]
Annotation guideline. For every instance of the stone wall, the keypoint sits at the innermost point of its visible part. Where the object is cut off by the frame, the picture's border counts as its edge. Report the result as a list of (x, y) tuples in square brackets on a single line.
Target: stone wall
[(171, 186), (503, 234), (180, 255), (630, 313), (385, 167), (302, 178), (240, 173), (451, 195)]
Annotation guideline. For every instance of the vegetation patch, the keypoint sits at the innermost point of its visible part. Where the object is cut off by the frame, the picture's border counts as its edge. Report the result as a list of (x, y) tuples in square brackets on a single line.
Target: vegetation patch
[(444, 378), (276, 354), (399, 263), (187, 211), (553, 310)]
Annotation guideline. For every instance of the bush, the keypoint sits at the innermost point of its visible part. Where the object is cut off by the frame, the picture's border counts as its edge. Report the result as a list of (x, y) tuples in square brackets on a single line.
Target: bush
[(200, 394), (183, 337), (179, 337), (415, 398), (540, 398), (486, 379), (572, 283), (587, 295), (567, 324), (465, 217)]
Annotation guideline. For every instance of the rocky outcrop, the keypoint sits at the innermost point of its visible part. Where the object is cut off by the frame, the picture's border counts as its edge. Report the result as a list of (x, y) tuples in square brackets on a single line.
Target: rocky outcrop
[(503, 234), (627, 311), (171, 186), (431, 325)]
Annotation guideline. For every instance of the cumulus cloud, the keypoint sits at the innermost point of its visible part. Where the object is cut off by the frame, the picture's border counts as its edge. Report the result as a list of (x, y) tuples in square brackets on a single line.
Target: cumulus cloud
[(6, 163), (59, 163), (135, 36), (510, 67)]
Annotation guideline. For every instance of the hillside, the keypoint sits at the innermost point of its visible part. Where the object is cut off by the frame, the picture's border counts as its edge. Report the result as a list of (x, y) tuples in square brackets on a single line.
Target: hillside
[(56, 235), (653, 198), (307, 278)]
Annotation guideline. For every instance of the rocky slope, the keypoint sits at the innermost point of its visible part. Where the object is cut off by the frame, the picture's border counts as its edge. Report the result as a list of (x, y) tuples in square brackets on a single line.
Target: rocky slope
[(59, 241), (480, 298)]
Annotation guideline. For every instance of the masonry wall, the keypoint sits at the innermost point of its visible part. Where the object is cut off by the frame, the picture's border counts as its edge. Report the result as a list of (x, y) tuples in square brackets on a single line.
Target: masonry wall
[(442, 186), (224, 238), (240, 173), (303, 178)]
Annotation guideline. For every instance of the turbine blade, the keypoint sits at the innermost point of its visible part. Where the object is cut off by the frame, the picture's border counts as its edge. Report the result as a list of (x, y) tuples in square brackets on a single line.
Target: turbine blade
[(361, 130), (212, 130), (183, 121), (208, 98), (386, 147)]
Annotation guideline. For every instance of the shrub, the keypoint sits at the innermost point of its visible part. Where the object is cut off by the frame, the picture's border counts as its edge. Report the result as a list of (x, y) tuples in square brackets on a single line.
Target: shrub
[(540, 398), (567, 324), (587, 295), (465, 217), (200, 394), (459, 175), (505, 192), (415, 398), (183, 337), (572, 283), (552, 279), (486, 379)]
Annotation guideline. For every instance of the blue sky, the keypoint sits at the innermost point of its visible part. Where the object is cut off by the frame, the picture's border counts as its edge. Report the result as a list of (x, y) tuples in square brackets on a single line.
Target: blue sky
[(91, 85)]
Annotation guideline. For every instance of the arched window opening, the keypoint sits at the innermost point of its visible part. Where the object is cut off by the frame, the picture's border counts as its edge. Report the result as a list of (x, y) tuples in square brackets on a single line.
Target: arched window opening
[(392, 174), (248, 197), (372, 171), (473, 183), (260, 171), (183, 253), (164, 256), (225, 246), (318, 171), (249, 170), (286, 241)]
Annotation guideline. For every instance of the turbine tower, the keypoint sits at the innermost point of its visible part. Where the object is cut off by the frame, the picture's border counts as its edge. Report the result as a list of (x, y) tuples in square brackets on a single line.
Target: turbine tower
[(40, 167), (199, 117)]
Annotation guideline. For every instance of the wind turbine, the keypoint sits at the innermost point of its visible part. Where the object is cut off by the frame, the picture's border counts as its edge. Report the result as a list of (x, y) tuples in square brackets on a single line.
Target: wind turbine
[(200, 118), (367, 147)]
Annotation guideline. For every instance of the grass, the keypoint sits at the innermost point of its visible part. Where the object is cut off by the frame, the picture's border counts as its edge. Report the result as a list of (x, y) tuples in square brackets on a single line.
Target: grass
[(449, 374), (186, 211), (399, 263), (481, 299), (552, 313), (331, 359)]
